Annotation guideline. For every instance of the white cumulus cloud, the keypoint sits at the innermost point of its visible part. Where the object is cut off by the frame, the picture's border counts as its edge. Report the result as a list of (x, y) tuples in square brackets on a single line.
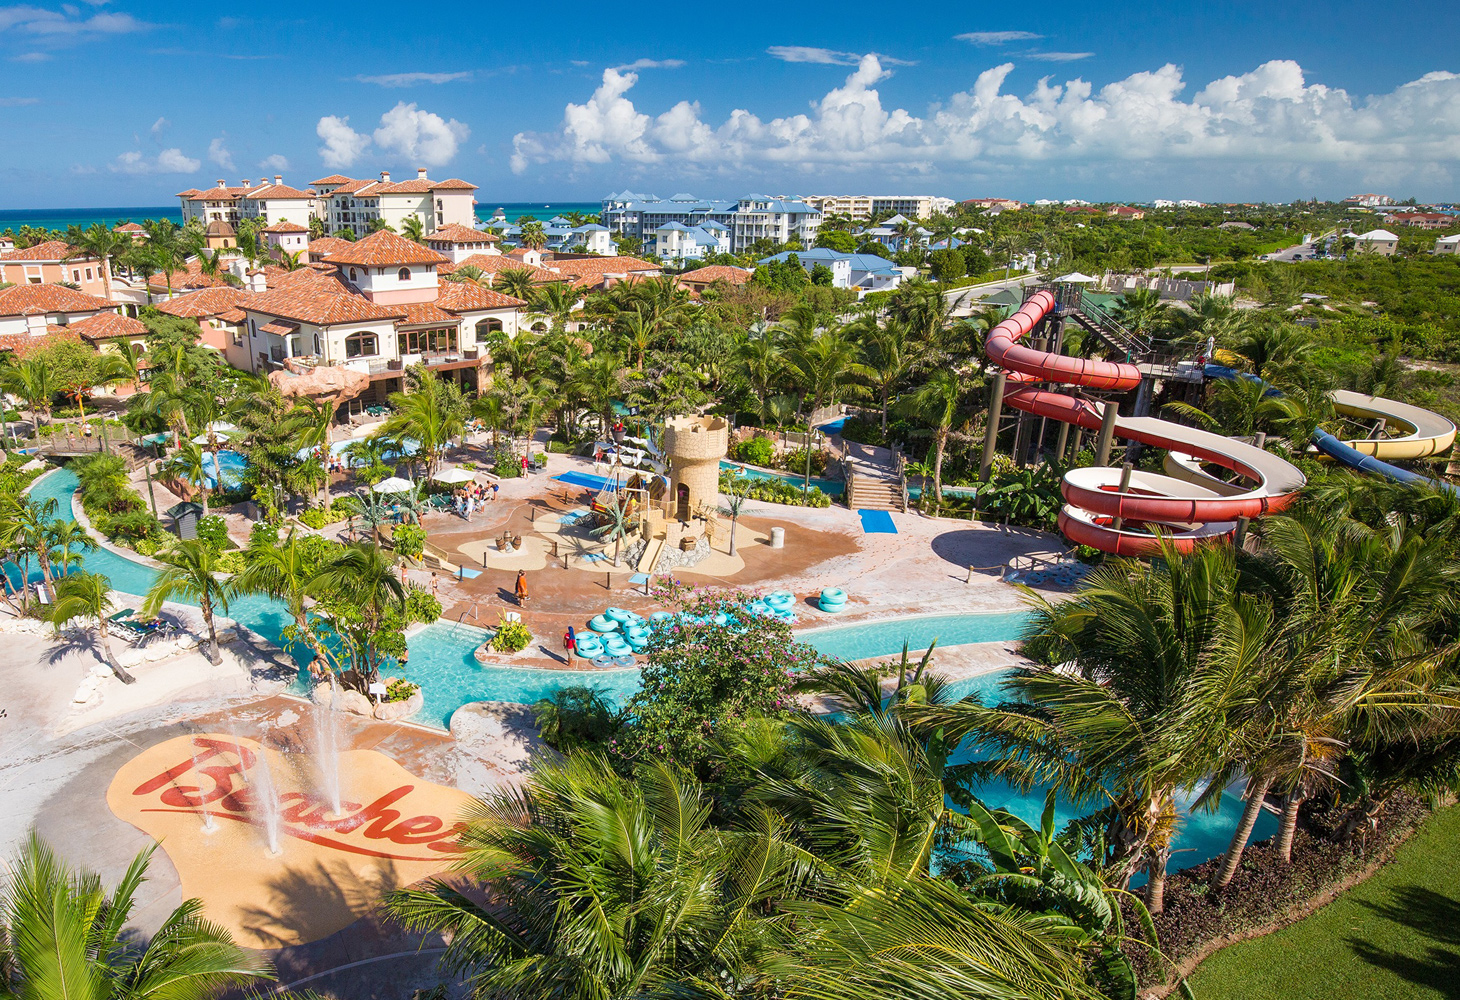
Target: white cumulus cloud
[(1270, 122), (218, 153), (342, 144), (423, 137), (169, 161), (420, 136), (276, 161)]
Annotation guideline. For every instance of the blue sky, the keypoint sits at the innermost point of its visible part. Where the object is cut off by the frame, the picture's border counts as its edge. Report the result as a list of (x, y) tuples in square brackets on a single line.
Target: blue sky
[(125, 103)]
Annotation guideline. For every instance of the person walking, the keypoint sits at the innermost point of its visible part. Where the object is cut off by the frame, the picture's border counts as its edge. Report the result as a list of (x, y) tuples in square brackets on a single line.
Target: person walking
[(435, 587), (570, 641), (522, 587), (402, 575)]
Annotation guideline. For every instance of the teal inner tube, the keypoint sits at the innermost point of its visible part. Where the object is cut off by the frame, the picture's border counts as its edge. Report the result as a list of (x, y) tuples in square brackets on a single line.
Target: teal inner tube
[(833, 595), (601, 624), (618, 615)]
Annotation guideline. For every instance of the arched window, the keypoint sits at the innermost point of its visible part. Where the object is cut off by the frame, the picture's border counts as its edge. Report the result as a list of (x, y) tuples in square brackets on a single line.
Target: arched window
[(404, 274), (353, 276)]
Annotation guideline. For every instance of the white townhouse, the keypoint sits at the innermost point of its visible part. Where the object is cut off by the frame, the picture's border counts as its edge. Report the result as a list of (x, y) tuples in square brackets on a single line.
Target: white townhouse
[(273, 201), (353, 204), (676, 241)]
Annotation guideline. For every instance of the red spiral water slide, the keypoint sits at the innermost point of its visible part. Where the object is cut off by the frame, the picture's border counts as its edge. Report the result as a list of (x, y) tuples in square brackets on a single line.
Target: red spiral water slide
[(1188, 506)]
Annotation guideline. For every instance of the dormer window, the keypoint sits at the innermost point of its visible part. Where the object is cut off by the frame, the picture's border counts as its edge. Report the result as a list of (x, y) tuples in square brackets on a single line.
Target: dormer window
[(404, 274), (352, 275)]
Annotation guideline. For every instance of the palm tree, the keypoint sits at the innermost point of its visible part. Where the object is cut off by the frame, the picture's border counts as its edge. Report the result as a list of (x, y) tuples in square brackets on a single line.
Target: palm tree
[(516, 282), (1142, 312), (360, 584), (311, 421), (190, 462), (599, 382), (890, 356), (167, 247), (284, 570), (939, 401), (192, 574), (33, 528), (64, 937), (35, 381), (432, 415), (758, 362), (375, 515), (603, 887), (413, 228), (821, 366), (734, 504), (100, 242), (620, 522), (88, 596), (555, 300), (532, 235), (67, 540)]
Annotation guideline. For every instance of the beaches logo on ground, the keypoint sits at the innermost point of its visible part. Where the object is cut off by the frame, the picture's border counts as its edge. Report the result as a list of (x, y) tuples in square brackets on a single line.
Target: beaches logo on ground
[(254, 835), (213, 781)]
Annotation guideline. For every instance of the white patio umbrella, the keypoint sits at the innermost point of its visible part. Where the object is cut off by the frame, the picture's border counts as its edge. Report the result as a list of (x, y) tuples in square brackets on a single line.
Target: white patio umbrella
[(454, 476), (203, 438), (395, 484), (1076, 278), (218, 426)]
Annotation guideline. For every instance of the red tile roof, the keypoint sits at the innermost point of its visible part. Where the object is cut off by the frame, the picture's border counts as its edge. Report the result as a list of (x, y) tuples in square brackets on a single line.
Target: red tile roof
[(104, 326), (34, 300), (427, 314), (23, 344), (286, 227), (233, 315), (331, 179), (281, 191), (590, 271), (323, 302), (496, 263), (455, 233), (129, 227), (327, 245), (463, 296), (717, 272), (206, 302), (51, 250), (278, 326), (384, 248), (452, 184), (190, 276)]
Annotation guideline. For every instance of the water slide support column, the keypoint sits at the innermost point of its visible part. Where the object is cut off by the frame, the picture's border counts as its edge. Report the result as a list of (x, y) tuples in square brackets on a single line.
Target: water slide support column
[(1107, 432), (1142, 409), (991, 432)]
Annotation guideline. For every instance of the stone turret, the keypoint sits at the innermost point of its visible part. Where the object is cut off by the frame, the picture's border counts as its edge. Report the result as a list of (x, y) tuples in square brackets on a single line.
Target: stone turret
[(694, 446)]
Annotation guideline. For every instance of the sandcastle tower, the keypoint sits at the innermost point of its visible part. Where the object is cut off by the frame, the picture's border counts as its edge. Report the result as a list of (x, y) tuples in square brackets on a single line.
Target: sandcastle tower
[(694, 446)]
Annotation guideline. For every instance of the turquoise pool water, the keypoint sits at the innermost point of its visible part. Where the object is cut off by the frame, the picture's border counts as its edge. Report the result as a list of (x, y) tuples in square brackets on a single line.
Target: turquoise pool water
[(885, 637), (831, 487)]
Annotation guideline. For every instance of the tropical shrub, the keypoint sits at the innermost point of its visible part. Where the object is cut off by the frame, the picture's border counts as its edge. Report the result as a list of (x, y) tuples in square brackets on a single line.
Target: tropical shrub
[(576, 718), (755, 451), (507, 464), (421, 604), (863, 431), (773, 491), (410, 540), (400, 690), (795, 461), (511, 637), (213, 532)]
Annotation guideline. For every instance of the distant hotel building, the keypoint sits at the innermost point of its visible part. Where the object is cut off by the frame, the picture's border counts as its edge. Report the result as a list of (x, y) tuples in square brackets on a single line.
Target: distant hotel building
[(861, 207), (752, 218), (341, 202)]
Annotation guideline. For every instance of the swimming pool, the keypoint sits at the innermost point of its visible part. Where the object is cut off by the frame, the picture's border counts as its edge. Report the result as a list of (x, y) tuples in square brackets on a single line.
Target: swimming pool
[(227, 465), (885, 637), (831, 487)]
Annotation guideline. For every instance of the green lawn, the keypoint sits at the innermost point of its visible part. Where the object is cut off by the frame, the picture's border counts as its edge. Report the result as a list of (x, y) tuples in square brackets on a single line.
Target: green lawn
[(1394, 937)]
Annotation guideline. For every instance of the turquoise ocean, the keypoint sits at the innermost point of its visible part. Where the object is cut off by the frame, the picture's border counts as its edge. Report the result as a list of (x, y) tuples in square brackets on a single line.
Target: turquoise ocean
[(60, 218)]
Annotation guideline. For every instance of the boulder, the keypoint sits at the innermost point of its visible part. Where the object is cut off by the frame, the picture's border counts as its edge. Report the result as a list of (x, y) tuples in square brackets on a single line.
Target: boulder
[(390, 711), (349, 701), (323, 383)]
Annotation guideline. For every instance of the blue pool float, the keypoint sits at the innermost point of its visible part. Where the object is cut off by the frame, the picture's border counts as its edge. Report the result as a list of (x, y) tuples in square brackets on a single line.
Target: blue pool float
[(616, 646), (588, 647), (618, 614), (601, 624), (639, 632), (660, 616), (603, 662), (623, 661), (721, 618)]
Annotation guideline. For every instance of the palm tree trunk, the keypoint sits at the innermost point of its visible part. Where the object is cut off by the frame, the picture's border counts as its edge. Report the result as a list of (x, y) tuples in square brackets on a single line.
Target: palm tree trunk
[(106, 652), (1156, 879), (215, 657), (733, 521), (1289, 825), (942, 443), (1257, 786)]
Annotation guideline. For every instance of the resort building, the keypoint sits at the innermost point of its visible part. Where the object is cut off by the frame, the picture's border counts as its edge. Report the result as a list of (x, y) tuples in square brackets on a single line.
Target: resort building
[(29, 309), (349, 203), (862, 207), (219, 316), (287, 238), (47, 264), (1132, 212), (676, 241), (698, 280), (381, 309), (1379, 241), (897, 233), (460, 242), (273, 201), (1448, 244), (562, 234), (1368, 200), (752, 218), (994, 205), (863, 271), (1420, 220)]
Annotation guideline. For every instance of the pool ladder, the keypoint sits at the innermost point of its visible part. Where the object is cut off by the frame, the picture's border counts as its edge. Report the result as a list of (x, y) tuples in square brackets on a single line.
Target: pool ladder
[(461, 619)]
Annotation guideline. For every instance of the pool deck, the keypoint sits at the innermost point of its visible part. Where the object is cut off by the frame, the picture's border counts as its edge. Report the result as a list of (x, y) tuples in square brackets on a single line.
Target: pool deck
[(56, 761)]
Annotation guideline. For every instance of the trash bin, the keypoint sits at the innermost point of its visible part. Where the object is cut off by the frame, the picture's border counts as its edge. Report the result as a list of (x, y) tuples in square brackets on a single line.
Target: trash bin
[(778, 538)]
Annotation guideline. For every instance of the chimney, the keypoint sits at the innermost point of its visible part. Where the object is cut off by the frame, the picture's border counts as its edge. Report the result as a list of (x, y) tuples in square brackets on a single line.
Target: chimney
[(279, 179), (246, 184), (385, 177), (222, 183), (420, 173)]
